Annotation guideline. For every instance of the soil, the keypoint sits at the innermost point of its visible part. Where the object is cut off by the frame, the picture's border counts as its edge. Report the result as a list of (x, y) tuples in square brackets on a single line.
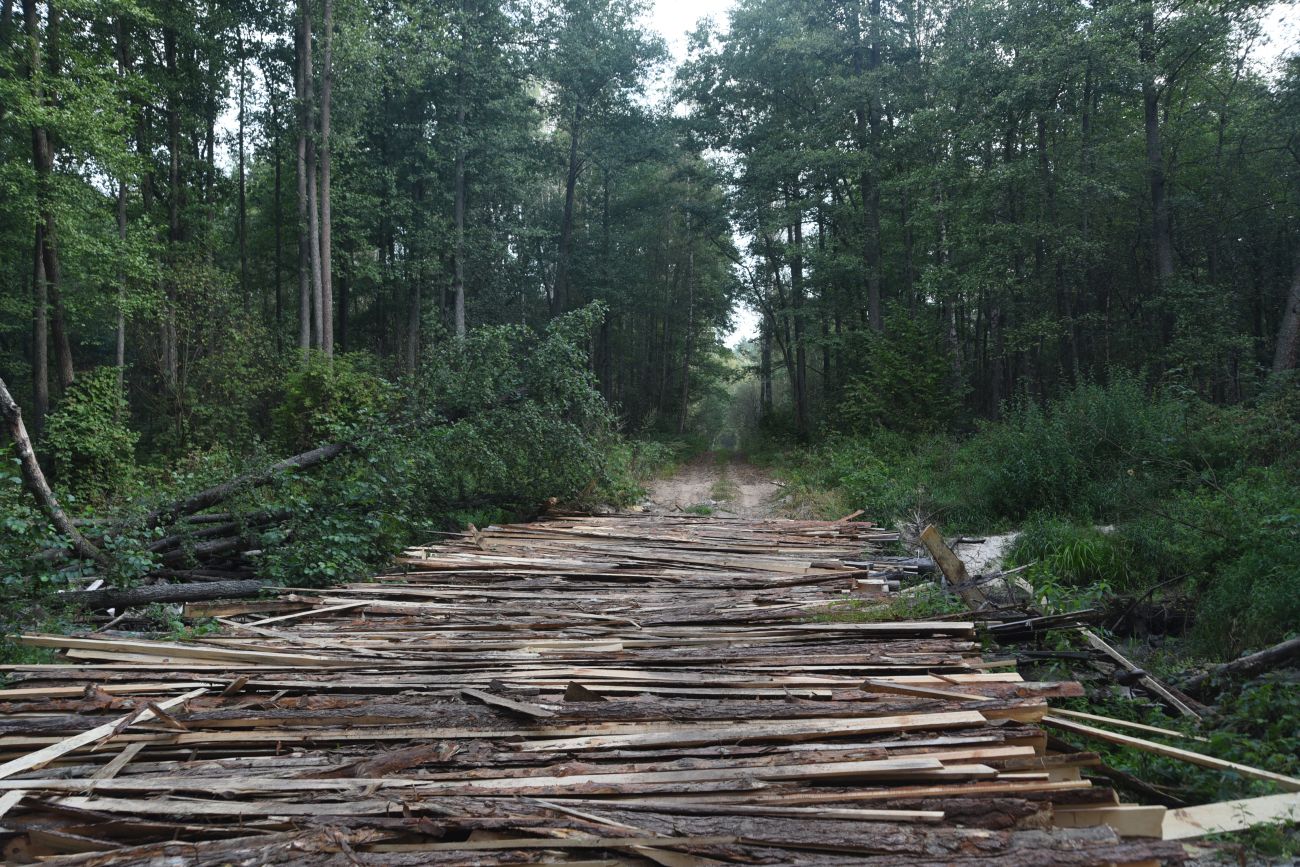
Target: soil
[(721, 483)]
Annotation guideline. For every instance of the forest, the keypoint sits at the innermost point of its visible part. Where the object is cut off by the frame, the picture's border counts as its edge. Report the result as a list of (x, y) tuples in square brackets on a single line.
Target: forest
[(359, 272)]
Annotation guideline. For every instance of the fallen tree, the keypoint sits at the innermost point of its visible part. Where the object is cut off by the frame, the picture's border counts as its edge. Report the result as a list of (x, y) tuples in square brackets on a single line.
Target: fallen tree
[(34, 481), (1202, 685), (98, 600)]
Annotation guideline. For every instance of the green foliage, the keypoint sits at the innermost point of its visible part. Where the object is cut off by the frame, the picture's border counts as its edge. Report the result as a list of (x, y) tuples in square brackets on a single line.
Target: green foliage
[(87, 437), (908, 382), (489, 429), (1072, 566), (921, 602), (1258, 725), (329, 401)]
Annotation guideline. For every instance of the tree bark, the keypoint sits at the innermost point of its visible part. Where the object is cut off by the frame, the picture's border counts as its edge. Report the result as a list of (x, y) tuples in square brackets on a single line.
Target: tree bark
[(326, 234), (34, 479), (1288, 332), (303, 46), (1161, 230), (458, 215), (99, 600), (560, 294)]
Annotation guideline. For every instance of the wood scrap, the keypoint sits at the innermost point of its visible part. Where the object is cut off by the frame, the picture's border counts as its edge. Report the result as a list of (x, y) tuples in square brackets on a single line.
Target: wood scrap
[(620, 687)]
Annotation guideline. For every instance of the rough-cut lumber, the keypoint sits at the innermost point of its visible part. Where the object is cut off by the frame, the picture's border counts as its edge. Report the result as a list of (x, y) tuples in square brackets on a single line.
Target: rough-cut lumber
[(1189, 822), (654, 688), (1148, 682), (1291, 784), (43, 757)]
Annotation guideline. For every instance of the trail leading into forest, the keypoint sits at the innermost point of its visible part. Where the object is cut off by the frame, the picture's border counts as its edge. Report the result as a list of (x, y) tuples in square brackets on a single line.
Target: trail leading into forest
[(719, 483)]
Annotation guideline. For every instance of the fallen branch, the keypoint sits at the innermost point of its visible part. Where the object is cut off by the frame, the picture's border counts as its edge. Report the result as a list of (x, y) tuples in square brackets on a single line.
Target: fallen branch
[(34, 479), (1247, 666), (220, 493)]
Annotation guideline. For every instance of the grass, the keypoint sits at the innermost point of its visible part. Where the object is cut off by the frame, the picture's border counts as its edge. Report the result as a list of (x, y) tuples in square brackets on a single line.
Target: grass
[(922, 602)]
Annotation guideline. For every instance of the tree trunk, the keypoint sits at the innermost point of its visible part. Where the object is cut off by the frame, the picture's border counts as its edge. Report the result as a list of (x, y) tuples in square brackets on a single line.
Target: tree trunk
[(34, 479), (1288, 333), (413, 315), (303, 46), (1161, 230), (99, 600), (170, 356), (326, 239), (278, 221), (458, 216), (690, 320), (243, 191), (43, 162), (560, 295), (119, 354), (313, 197), (40, 337), (800, 384)]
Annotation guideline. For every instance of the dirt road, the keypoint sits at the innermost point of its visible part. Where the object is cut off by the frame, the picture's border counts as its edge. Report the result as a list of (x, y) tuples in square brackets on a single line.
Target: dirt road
[(716, 483)]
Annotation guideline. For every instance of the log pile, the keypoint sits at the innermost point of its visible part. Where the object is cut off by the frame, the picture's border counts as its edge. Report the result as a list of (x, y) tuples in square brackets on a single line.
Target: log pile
[(615, 690)]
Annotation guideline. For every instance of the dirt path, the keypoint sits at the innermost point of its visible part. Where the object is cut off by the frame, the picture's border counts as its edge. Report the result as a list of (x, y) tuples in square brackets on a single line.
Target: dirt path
[(716, 483)]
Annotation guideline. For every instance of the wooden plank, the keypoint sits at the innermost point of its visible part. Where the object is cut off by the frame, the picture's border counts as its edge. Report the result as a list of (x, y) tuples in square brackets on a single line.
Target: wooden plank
[(1130, 820), (311, 612), (109, 771), (1123, 723), (509, 704), (43, 757), (1148, 682), (1291, 784), (173, 651), (1224, 816), (769, 730)]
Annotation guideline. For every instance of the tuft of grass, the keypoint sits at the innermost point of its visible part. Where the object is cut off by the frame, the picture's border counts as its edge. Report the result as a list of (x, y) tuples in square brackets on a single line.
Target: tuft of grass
[(922, 602)]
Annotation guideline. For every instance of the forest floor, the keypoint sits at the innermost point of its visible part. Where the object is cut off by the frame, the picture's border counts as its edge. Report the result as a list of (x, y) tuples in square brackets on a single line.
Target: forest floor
[(716, 483)]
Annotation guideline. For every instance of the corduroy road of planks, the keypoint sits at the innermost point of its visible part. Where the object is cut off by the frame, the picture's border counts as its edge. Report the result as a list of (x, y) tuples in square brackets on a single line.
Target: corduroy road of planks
[(633, 689)]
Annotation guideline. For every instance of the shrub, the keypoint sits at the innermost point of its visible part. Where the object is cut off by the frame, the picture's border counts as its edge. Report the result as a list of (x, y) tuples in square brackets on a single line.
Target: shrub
[(87, 438), (327, 400)]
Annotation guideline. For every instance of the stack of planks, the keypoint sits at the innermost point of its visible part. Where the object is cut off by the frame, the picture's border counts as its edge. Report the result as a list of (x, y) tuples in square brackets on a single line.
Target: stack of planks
[(609, 690)]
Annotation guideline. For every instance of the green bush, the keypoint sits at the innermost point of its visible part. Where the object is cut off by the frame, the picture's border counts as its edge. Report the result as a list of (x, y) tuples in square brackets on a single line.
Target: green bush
[(491, 427), (327, 400), (89, 444), (907, 383)]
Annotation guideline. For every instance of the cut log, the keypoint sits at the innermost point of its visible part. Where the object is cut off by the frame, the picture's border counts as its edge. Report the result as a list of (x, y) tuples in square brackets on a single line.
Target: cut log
[(1248, 666), (96, 600), (954, 571)]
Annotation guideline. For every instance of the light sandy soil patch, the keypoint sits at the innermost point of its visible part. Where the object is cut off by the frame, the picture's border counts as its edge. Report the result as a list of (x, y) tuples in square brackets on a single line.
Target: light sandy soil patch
[(730, 487)]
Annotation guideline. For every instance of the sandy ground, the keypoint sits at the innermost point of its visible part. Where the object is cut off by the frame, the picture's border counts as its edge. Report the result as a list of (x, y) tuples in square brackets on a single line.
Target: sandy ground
[(727, 487)]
